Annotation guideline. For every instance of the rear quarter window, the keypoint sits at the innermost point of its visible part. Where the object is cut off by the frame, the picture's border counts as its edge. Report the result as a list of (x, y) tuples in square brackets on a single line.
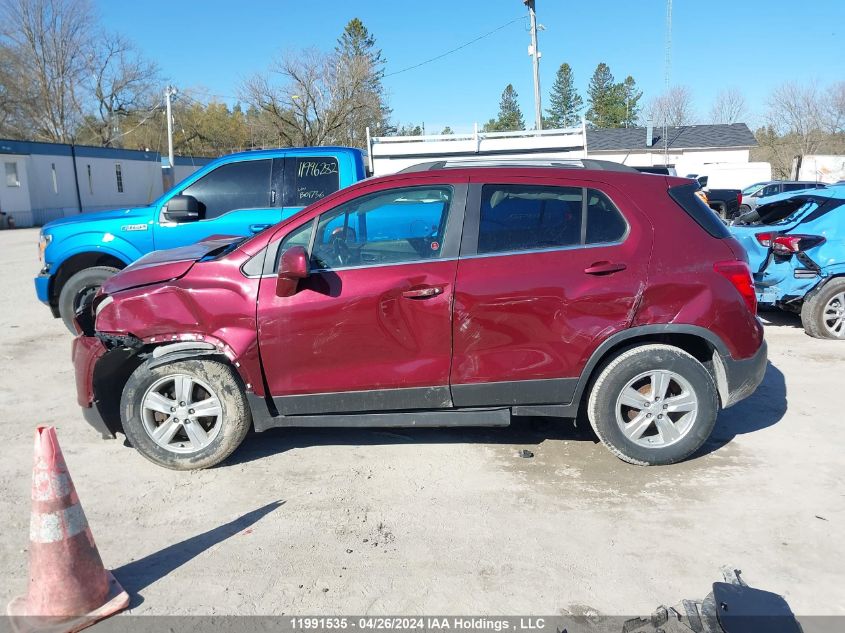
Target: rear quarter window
[(684, 196)]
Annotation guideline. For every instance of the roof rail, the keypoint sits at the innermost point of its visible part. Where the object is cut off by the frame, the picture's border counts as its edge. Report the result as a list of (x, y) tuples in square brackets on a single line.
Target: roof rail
[(565, 163)]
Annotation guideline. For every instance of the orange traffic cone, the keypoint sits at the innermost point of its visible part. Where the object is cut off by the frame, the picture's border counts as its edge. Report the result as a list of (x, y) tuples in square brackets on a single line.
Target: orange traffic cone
[(68, 587)]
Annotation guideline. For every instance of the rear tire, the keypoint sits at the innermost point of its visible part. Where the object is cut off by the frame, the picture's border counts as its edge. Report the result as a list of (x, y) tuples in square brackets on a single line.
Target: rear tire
[(79, 288), (653, 405), (185, 415), (823, 313)]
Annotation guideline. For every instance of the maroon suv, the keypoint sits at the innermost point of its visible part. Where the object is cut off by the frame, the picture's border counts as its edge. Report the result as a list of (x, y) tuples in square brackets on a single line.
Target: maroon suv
[(443, 295)]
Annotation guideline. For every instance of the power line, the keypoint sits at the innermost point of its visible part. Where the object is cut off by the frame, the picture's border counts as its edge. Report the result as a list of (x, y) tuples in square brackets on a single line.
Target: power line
[(455, 50)]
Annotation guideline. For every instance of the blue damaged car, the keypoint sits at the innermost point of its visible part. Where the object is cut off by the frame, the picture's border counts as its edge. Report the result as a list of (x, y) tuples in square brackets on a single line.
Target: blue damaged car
[(796, 250), (238, 194)]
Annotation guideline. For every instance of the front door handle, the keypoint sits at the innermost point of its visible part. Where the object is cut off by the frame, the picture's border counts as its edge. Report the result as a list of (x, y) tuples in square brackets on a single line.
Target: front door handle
[(423, 293), (257, 228), (604, 268)]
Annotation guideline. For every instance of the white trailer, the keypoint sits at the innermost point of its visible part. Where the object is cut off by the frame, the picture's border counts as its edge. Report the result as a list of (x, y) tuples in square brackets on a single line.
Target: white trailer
[(389, 154)]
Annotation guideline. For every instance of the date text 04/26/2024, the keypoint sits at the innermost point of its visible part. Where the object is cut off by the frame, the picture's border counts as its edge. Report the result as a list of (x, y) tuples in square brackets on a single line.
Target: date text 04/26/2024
[(427, 623)]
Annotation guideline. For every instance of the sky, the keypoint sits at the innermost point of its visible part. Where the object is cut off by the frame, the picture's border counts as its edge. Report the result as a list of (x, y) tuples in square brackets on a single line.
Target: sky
[(753, 45)]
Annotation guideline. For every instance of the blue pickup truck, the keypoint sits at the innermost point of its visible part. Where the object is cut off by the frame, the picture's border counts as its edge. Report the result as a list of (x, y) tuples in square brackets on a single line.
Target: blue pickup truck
[(239, 194)]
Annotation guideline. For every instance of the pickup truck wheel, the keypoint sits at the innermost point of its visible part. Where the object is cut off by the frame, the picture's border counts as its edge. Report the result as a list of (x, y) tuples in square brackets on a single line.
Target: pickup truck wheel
[(744, 208), (185, 415), (80, 288), (823, 313), (653, 404)]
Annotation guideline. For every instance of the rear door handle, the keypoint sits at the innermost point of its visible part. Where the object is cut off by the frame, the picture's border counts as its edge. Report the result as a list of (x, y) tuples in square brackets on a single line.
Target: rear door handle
[(423, 293), (257, 228), (604, 268)]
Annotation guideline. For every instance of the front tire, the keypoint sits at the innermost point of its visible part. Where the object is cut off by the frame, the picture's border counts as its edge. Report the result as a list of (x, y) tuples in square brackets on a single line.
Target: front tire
[(823, 313), (80, 288), (185, 415), (653, 405)]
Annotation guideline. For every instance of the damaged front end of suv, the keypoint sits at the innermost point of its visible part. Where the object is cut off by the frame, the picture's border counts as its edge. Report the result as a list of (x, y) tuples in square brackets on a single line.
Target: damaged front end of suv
[(169, 306)]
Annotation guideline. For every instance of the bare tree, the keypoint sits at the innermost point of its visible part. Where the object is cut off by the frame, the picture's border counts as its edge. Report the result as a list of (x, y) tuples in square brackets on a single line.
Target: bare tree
[(797, 110), (673, 108), (834, 112), (122, 83), (317, 98), (50, 43), (729, 107)]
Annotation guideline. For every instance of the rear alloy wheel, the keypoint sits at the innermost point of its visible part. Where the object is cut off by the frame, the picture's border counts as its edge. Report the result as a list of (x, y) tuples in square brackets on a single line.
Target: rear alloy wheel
[(80, 289), (185, 415), (823, 313), (653, 404)]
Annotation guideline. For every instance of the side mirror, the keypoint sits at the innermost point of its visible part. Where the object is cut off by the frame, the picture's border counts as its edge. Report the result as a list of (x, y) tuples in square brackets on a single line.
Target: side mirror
[(293, 266), (182, 209)]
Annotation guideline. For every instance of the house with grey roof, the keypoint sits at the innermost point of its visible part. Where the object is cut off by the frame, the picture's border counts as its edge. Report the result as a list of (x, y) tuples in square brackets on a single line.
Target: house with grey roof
[(689, 149)]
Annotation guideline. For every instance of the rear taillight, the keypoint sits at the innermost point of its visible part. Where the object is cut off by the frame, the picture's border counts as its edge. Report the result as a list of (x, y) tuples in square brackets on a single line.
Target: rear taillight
[(765, 239), (788, 244), (739, 198), (739, 274)]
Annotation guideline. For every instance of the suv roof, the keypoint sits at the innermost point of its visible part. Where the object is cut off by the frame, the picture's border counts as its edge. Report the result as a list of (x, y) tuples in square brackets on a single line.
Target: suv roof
[(564, 163)]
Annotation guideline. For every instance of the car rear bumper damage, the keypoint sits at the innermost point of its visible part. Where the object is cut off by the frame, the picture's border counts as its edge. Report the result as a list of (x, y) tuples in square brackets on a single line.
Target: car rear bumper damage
[(743, 376)]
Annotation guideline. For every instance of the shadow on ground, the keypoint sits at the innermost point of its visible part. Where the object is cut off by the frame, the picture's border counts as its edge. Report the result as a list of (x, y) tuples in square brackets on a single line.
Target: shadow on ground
[(762, 409), (141, 573), (773, 316)]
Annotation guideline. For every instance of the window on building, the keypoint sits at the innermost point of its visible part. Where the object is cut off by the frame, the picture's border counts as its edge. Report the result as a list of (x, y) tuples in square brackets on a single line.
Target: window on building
[(55, 179), (118, 174), (12, 179), (90, 181)]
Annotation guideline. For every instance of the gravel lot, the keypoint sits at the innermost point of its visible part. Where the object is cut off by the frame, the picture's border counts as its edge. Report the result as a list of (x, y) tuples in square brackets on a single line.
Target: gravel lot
[(439, 522)]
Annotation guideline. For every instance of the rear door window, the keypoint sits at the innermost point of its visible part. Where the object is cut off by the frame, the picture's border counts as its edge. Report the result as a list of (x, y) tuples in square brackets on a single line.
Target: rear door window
[(310, 179), (529, 217), (535, 217), (605, 223)]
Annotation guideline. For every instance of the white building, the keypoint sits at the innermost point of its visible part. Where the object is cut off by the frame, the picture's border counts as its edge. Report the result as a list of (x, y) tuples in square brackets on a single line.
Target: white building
[(822, 168), (688, 149), (44, 181)]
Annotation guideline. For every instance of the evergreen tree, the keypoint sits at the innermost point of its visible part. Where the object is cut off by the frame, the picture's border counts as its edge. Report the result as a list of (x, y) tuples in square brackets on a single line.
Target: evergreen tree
[(510, 116), (631, 97), (357, 54), (566, 103), (606, 98)]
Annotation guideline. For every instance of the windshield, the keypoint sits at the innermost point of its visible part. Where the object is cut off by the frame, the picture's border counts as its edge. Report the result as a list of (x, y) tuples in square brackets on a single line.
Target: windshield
[(752, 189)]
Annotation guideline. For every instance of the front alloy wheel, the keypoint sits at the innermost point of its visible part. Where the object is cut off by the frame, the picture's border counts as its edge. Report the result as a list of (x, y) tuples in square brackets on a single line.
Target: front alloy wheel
[(181, 414), (186, 414)]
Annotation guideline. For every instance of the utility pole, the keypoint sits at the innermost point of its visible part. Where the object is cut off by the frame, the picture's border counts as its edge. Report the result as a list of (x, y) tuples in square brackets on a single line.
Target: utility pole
[(169, 92), (535, 55)]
